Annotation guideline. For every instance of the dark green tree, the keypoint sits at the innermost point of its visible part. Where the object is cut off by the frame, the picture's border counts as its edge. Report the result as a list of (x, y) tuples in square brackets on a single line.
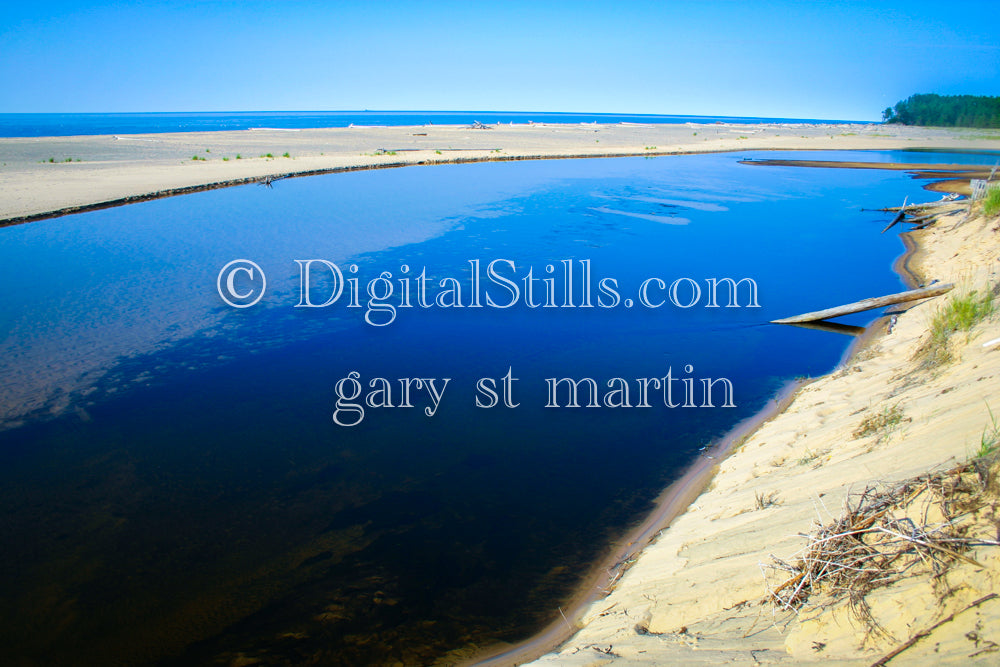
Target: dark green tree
[(945, 111)]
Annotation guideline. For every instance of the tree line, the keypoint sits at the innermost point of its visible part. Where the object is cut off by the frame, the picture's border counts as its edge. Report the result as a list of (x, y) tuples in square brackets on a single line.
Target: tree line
[(945, 111)]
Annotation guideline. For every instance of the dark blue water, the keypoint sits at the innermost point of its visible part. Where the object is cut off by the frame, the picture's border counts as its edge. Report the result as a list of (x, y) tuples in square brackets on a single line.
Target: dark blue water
[(71, 124), (173, 483)]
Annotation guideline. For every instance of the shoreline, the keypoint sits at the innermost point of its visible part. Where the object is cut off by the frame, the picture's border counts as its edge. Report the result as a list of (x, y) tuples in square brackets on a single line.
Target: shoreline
[(674, 501), (44, 177), (671, 503), (681, 496), (659, 615)]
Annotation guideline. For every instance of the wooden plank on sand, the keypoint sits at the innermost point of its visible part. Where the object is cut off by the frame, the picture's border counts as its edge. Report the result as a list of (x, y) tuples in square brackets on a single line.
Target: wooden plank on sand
[(868, 304)]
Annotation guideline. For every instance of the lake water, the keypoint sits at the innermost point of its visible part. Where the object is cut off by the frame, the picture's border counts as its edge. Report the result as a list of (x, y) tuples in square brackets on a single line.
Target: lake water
[(71, 124), (175, 487)]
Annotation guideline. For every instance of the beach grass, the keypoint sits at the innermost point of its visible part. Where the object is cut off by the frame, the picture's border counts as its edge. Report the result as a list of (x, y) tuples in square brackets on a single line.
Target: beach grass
[(989, 441), (881, 424), (961, 313), (991, 204)]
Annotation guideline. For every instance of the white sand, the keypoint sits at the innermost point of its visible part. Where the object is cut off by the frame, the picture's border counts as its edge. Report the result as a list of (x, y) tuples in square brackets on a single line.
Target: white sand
[(115, 167)]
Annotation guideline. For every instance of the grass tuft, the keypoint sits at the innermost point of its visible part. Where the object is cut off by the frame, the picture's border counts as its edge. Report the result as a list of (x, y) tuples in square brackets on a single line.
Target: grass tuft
[(882, 424), (991, 204), (989, 441), (762, 501), (961, 313)]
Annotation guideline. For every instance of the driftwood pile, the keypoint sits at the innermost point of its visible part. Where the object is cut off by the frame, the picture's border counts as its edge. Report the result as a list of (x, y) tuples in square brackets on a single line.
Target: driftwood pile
[(923, 215), (884, 533)]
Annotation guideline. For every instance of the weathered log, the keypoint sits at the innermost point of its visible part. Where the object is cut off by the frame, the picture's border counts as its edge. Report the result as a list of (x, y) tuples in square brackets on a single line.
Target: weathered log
[(868, 304), (899, 216)]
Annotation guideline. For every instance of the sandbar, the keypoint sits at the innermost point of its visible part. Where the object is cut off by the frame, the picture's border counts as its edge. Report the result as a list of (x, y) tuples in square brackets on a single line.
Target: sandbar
[(47, 176)]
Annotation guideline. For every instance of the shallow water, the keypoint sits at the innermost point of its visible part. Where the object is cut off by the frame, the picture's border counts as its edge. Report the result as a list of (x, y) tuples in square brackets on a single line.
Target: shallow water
[(174, 484)]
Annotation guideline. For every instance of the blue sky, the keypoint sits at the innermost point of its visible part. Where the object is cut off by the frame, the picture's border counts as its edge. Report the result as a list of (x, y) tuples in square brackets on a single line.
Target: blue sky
[(838, 60)]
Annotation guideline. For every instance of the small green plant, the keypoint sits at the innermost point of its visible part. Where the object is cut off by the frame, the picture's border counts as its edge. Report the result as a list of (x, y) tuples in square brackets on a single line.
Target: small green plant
[(239, 157), (207, 151), (991, 205), (285, 154), (650, 148), (990, 439), (195, 158), (52, 159), (882, 424), (267, 155), (225, 159), (961, 313), (694, 134), (438, 152)]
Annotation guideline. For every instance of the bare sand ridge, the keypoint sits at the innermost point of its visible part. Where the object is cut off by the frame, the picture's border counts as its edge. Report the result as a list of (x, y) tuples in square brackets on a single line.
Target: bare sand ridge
[(88, 171), (697, 594)]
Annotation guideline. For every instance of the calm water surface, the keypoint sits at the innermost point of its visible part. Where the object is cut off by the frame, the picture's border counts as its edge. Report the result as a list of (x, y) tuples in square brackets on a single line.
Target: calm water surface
[(71, 124), (173, 485)]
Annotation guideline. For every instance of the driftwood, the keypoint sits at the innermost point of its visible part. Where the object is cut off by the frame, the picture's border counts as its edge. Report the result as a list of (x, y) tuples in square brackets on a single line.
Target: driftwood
[(880, 538), (925, 633), (899, 216), (868, 304)]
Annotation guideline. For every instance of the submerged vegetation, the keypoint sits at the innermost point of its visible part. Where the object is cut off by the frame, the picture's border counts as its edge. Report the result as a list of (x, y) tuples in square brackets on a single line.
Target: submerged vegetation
[(945, 111)]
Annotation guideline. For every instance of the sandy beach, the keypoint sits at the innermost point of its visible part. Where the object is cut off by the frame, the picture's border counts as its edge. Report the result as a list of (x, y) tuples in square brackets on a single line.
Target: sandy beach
[(40, 176), (698, 594), (694, 593)]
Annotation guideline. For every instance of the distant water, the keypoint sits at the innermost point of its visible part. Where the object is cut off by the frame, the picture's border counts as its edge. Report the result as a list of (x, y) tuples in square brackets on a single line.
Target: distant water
[(71, 124), (173, 485)]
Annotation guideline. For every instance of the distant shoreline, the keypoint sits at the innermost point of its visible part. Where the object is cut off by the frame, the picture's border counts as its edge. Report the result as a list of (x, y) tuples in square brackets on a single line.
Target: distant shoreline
[(77, 124), (44, 177)]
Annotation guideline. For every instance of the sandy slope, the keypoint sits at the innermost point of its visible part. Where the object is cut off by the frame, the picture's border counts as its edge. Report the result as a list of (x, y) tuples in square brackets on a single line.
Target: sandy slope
[(108, 168), (694, 595)]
